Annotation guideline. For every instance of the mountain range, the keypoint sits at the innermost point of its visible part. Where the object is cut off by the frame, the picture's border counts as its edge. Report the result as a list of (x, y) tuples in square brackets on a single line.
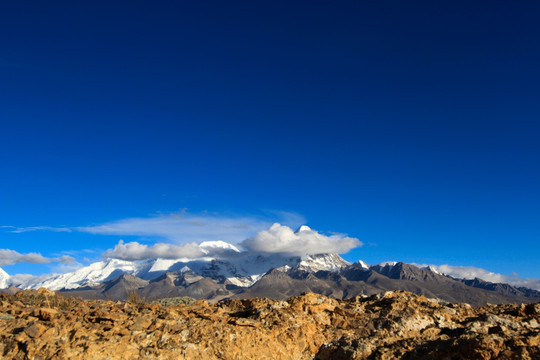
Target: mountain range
[(227, 272)]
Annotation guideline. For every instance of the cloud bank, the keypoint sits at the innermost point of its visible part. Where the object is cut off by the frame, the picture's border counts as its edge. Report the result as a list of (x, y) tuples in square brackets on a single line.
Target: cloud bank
[(280, 239), (471, 272), (134, 251), (10, 257)]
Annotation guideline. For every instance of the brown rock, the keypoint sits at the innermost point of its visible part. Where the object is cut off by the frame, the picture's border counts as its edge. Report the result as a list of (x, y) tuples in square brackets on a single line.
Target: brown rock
[(46, 292), (387, 326), (140, 324), (45, 314), (34, 330)]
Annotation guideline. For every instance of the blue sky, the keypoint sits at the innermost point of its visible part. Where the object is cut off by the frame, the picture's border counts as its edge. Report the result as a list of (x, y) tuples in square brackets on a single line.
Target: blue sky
[(412, 126)]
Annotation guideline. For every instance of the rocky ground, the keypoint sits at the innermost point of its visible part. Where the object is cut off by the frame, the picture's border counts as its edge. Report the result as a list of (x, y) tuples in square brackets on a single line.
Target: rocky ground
[(394, 325)]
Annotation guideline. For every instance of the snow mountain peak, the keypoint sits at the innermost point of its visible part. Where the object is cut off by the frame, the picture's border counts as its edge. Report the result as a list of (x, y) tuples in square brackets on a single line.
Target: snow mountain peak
[(4, 279), (218, 247), (326, 262), (363, 265), (303, 228)]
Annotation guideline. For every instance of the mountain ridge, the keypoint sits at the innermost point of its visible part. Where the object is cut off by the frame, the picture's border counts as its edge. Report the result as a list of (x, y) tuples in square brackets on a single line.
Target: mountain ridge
[(346, 282), (243, 274)]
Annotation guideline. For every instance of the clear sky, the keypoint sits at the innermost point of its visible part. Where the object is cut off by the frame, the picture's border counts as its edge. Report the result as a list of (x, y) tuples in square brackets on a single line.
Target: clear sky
[(413, 126)]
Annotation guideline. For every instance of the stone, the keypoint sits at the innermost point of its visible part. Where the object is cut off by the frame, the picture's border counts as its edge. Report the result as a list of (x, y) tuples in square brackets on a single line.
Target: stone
[(45, 314), (34, 330), (46, 292), (392, 325)]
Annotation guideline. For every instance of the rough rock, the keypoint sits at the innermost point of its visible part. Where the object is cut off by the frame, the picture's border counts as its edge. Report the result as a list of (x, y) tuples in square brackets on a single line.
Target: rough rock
[(392, 325)]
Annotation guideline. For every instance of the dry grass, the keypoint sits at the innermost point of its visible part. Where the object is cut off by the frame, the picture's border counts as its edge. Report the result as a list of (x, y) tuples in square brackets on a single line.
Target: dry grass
[(181, 300), (134, 297), (34, 298)]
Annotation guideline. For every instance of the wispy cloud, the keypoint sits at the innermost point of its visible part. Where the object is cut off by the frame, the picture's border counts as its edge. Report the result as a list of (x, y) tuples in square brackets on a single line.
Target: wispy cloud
[(181, 227), (289, 218), (10, 257), (282, 239), (471, 272), (17, 230)]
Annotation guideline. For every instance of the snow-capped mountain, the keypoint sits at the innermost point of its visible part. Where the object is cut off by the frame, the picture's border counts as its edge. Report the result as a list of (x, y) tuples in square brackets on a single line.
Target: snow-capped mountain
[(89, 275), (391, 264), (225, 263), (222, 262), (274, 276), (213, 248), (4, 279), (363, 265), (387, 263), (327, 262)]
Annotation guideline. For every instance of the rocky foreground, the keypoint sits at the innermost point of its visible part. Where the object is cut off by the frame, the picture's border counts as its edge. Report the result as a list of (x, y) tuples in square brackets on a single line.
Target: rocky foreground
[(393, 325)]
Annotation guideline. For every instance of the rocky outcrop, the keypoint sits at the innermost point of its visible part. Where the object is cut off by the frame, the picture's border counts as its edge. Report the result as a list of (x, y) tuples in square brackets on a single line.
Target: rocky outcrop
[(42, 325)]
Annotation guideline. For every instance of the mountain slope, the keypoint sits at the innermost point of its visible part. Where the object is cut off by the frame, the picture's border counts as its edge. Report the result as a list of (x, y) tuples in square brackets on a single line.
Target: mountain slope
[(355, 280), (4, 279), (327, 262), (501, 288), (90, 275)]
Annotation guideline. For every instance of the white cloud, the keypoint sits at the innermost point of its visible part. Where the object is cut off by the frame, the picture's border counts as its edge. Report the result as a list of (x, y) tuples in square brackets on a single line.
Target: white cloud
[(178, 234), (183, 228), (277, 239), (135, 251), (64, 259), (282, 239), (10, 257), (471, 272)]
